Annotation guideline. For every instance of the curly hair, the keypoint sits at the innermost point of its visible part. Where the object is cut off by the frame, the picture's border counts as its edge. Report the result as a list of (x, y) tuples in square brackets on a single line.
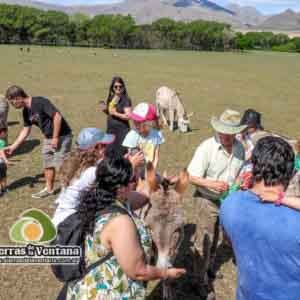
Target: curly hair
[(111, 174), (273, 161), (75, 163)]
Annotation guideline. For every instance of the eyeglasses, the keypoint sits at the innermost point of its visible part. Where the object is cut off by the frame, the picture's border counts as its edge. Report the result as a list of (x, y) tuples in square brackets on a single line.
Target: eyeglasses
[(118, 87)]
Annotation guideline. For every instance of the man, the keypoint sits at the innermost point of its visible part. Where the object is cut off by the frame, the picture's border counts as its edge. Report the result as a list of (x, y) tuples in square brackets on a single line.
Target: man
[(212, 170), (265, 236), (41, 112)]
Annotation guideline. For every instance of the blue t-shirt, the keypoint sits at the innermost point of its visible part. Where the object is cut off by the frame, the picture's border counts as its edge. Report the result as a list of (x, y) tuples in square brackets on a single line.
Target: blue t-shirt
[(147, 144), (266, 243)]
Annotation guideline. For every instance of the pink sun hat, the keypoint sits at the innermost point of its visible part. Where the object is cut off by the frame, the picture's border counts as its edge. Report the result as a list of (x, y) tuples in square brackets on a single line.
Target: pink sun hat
[(143, 112)]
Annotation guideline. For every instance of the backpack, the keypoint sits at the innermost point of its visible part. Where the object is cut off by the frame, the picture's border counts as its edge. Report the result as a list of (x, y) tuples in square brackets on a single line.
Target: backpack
[(69, 233)]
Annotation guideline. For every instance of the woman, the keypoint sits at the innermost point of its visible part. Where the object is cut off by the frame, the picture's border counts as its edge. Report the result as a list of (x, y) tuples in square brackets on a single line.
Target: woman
[(122, 276), (78, 171), (118, 107)]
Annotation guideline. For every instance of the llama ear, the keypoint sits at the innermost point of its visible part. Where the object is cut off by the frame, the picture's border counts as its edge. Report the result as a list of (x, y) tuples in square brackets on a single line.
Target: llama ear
[(182, 182), (151, 177)]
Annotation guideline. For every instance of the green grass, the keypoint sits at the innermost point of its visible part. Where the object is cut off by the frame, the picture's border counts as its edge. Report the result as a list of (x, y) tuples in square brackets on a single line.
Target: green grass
[(76, 79)]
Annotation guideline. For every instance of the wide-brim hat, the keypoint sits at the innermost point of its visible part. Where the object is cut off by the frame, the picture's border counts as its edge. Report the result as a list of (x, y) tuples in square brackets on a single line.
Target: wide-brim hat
[(228, 123), (89, 137)]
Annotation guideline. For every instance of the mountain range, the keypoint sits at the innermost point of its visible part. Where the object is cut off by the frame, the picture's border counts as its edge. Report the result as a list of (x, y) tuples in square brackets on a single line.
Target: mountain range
[(147, 11)]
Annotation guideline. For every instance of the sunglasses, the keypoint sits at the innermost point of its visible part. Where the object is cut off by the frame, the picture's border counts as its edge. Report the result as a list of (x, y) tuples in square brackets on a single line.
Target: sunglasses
[(116, 87)]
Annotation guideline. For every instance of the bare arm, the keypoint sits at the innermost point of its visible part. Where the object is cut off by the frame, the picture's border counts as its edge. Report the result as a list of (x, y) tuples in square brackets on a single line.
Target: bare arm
[(56, 125), (3, 156), (156, 157), (120, 235), (292, 202), (272, 196), (56, 129), (124, 116), (20, 139), (218, 186)]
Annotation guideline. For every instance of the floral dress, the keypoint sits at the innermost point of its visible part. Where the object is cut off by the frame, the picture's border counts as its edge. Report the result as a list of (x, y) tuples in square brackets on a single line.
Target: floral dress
[(108, 281)]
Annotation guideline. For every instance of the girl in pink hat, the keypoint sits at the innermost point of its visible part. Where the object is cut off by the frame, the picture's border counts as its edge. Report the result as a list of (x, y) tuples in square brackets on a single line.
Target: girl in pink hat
[(145, 136)]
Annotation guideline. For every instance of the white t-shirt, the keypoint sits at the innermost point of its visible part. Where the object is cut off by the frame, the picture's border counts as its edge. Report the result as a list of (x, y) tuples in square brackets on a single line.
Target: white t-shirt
[(147, 144), (68, 199)]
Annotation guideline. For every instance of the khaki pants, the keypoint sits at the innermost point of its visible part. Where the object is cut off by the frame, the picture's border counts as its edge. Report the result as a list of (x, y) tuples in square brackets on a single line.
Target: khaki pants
[(207, 237)]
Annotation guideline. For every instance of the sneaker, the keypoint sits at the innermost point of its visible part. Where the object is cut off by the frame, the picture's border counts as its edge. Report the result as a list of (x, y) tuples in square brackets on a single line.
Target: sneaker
[(42, 194)]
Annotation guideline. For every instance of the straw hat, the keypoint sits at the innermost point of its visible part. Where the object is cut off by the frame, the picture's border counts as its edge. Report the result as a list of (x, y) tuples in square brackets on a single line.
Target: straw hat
[(228, 123)]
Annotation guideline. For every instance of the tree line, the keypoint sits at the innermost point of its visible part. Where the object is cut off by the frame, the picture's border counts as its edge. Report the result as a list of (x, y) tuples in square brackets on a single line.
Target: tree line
[(27, 25)]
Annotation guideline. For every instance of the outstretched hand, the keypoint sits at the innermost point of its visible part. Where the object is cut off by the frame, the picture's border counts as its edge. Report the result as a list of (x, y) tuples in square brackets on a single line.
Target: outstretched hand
[(8, 151)]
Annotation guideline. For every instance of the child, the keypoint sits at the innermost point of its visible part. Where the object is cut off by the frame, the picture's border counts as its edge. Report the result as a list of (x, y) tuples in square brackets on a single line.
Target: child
[(145, 136), (3, 158)]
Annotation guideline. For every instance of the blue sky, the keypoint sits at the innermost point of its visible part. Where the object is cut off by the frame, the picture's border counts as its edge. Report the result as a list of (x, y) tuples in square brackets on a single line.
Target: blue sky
[(265, 6)]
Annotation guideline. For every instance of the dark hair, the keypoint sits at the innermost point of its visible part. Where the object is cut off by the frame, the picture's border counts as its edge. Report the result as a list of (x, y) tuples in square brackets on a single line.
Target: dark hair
[(252, 118), (111, 174), (15, 91), (111, 92), (273, 161)]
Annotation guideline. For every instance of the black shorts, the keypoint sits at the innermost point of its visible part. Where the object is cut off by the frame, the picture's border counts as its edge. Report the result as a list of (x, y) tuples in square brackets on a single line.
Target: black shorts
[(3, 170)]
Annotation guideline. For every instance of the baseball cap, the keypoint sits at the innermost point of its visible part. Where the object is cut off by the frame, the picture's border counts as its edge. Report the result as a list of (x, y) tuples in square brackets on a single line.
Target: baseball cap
[(143, 112), (89, 137)]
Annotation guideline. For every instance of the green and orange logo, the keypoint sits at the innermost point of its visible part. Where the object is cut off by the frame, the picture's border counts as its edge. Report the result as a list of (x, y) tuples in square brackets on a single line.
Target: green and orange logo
[(34, 227)]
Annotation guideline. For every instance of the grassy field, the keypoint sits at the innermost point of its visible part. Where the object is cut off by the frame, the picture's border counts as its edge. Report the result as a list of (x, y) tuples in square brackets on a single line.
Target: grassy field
[(76, 79)]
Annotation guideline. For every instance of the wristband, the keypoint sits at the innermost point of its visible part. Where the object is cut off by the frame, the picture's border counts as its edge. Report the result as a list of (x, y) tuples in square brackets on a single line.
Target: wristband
[(279, 199)]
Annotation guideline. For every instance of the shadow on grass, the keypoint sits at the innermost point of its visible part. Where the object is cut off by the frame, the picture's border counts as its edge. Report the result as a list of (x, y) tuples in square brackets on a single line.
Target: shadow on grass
[(27, 147), (25, 181), (12, 123), (193, 285)]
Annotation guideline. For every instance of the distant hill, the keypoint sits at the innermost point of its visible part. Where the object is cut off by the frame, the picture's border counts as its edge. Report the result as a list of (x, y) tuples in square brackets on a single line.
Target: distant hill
[(147, 11), (36, 4), (288, 20), (248, 14)]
